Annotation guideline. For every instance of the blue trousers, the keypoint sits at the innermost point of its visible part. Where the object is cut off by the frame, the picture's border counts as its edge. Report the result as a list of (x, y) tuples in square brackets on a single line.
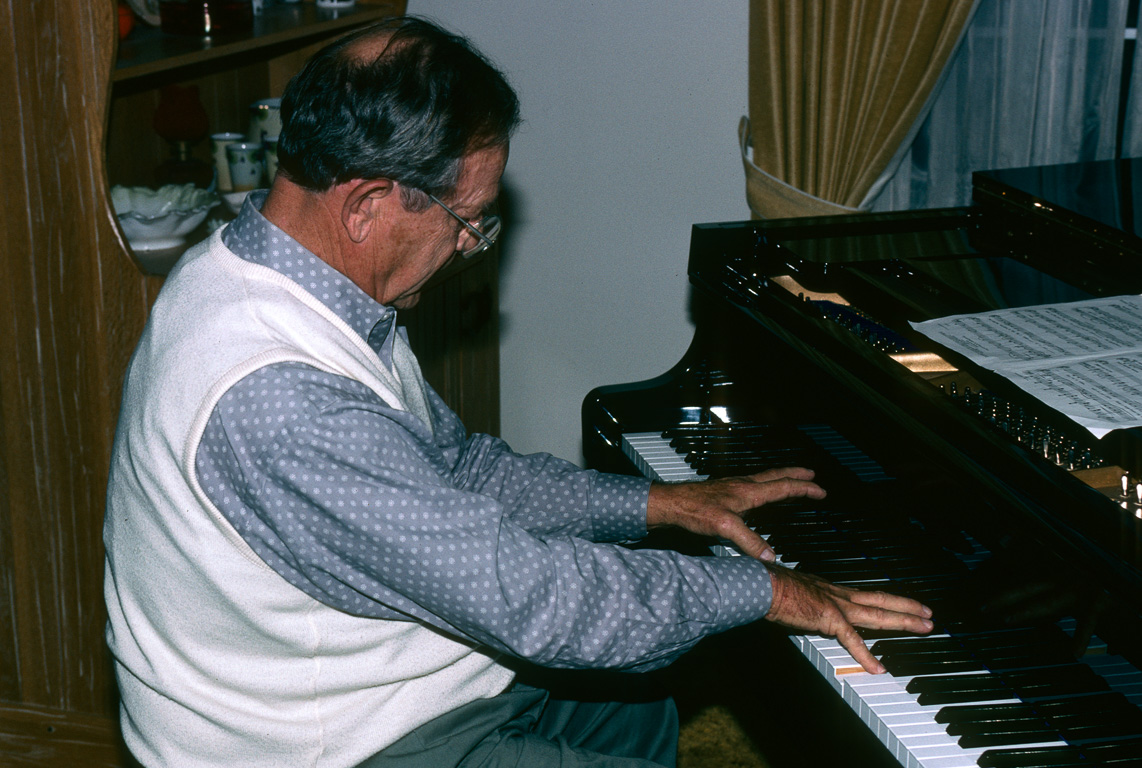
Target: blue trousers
[(526, 727)]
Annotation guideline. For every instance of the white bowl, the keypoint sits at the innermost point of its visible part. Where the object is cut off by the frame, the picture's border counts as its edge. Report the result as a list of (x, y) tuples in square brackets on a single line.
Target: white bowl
[(156, 219), (234, 200)]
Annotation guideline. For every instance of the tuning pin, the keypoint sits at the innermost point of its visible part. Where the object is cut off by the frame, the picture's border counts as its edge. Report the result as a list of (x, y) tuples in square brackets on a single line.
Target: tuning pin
[(1138, 493), (1125, 479)]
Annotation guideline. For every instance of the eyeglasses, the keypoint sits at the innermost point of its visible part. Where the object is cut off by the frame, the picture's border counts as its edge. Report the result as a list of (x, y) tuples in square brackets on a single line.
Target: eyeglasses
[(486, 230)]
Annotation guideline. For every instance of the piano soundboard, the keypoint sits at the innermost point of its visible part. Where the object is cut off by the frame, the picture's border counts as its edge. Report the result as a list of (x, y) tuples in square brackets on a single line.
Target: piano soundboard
[(966, 695)]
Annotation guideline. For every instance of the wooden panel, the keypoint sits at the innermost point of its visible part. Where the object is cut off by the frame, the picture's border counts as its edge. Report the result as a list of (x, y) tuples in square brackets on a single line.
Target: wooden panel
[(40, 736), (71, 307)]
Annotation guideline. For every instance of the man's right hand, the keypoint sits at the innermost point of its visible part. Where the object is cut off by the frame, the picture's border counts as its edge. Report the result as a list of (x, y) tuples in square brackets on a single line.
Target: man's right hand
[(811, 605)]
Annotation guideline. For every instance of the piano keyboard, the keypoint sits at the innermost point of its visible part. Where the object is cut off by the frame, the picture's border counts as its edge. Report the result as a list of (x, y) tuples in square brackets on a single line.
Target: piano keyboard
[(1027, 681), (663, 455)]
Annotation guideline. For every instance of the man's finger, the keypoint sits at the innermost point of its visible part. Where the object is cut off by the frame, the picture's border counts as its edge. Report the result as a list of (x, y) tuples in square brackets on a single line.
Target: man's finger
[(882, 618), (794, 473), (782, 488), (890, 602), (854, 644), (747, 541)]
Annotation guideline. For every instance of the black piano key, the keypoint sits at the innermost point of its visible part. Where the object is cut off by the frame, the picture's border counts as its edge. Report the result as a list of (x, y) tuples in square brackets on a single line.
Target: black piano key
[(849, 571), (1062, 680), (1114, 717), (1073, 719), (719, 471), (958, 716), (734, 442), (912, 664), (1042, 757), (1089, 756), (932, 666), (1119, 753), (1021, 658), (747, 463), (999, 643), (959, 689), (916, 645), (781, 433), (807, 551), (892, 556), (1014, 735), (801, 524), (1018, 720), (966, 696)]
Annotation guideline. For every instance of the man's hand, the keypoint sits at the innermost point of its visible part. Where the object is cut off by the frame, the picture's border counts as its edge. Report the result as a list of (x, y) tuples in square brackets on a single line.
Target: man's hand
[(811, 605), (715, 507)]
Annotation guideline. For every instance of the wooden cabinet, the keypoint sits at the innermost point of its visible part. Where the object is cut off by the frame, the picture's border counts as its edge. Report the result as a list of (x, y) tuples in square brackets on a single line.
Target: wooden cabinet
[(75, 119)]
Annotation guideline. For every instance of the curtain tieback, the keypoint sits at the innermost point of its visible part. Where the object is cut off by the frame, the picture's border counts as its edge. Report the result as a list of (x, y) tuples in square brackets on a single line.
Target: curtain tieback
[(771, 198)]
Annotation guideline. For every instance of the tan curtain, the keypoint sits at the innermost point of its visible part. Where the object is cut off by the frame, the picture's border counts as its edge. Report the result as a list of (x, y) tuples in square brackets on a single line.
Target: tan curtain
[(837, 88)]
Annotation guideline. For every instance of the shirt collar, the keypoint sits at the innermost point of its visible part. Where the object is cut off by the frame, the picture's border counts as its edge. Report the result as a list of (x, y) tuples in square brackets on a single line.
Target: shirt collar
[(251, 236)]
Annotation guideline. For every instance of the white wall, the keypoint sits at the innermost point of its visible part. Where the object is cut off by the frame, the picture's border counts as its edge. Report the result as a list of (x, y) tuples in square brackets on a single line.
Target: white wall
[(629, 137)]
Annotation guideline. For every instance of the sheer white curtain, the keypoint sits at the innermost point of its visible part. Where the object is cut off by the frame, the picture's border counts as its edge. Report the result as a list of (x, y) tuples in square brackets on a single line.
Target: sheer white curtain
[(1034, 82)]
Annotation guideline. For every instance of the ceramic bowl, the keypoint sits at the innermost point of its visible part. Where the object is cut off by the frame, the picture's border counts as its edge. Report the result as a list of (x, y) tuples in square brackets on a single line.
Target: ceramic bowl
[(234, 200), (157, 219)]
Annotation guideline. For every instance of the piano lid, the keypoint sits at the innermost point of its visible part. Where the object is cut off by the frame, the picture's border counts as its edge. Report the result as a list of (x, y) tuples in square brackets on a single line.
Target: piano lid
[(1106, 193), (1088, 212), (859, 280)]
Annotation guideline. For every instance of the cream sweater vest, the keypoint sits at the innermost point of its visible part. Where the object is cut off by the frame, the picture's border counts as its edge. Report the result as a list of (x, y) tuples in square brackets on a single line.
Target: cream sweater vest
[(219, 660)]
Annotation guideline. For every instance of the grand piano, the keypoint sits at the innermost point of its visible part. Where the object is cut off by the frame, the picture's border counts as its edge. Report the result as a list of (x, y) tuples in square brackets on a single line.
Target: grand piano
[(1020, 528)]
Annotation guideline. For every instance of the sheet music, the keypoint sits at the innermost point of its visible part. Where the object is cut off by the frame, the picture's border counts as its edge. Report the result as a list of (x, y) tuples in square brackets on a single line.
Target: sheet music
[(1082, 358)]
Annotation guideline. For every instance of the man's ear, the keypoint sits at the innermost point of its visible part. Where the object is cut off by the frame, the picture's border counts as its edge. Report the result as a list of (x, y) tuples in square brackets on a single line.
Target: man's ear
[(363, 205)]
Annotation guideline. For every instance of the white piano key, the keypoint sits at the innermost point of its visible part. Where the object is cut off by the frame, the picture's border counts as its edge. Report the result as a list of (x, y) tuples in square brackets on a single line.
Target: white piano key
[(656, 459)]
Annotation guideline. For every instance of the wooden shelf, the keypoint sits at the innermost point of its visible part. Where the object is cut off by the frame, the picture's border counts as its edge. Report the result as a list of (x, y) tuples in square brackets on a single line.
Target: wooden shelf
[(149, 51)]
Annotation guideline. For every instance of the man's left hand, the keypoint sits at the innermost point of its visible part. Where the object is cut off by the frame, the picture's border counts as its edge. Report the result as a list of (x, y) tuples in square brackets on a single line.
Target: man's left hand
[(715, 507)]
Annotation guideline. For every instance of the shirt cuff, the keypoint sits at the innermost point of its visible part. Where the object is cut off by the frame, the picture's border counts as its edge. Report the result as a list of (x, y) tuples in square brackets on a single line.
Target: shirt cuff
[(619, 507), (745, 590)]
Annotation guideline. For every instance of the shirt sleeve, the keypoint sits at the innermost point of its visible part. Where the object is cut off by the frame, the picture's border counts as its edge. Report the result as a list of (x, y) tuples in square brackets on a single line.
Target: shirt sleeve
[(355, 504), (545, 495)]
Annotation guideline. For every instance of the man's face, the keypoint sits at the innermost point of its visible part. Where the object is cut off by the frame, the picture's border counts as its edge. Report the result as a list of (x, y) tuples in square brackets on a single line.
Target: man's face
[(424, 242)]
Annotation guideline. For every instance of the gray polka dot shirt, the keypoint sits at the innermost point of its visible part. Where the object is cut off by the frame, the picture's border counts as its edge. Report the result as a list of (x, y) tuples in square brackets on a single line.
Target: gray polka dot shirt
[(367, 510)]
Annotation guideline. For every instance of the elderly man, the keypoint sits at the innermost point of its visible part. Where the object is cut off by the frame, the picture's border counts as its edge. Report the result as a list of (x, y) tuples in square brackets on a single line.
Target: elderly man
[(310, 561)]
